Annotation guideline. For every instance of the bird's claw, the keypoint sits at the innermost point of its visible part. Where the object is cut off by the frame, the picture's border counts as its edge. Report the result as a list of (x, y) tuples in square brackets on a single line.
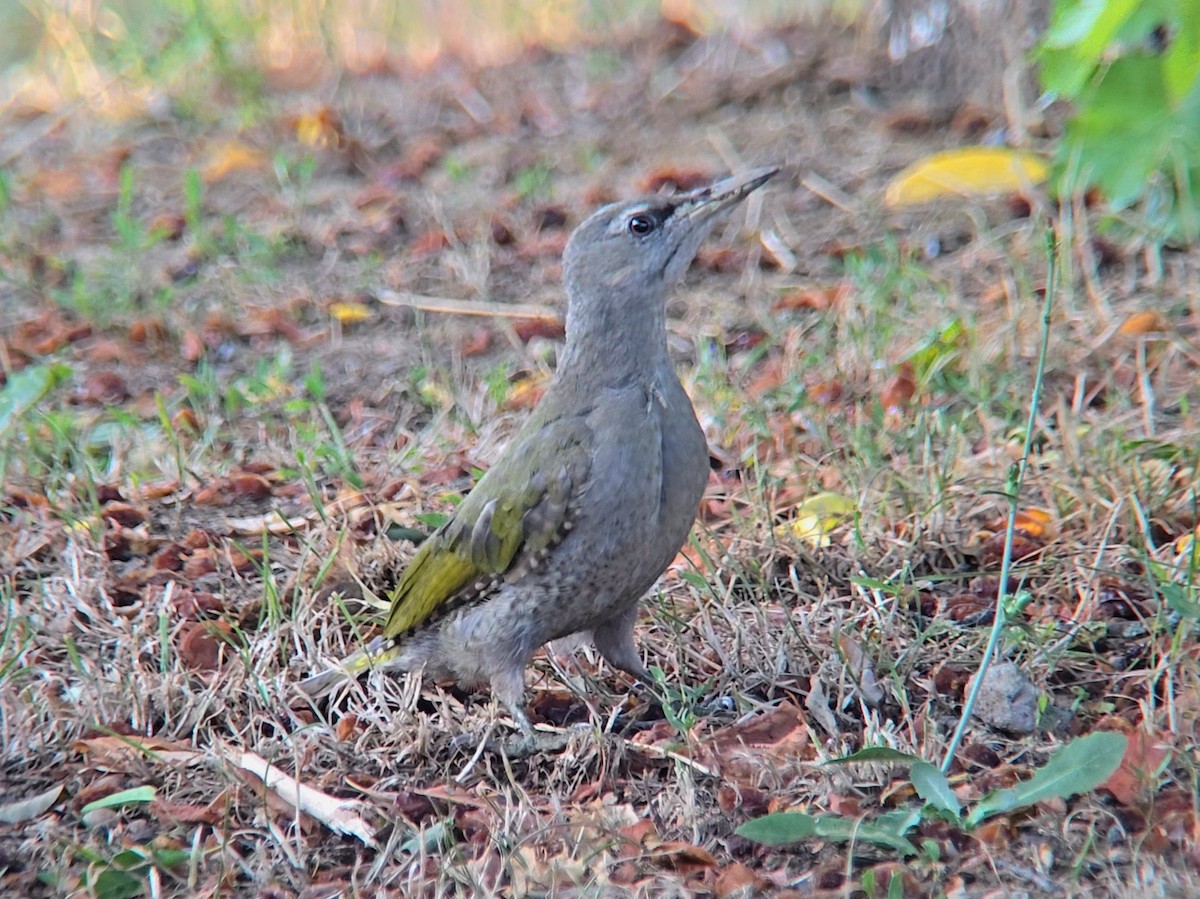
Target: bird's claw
[(527, 743)]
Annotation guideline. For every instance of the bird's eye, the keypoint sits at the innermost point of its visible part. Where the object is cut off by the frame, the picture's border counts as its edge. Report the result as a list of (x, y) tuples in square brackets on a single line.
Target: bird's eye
[(641, 225)]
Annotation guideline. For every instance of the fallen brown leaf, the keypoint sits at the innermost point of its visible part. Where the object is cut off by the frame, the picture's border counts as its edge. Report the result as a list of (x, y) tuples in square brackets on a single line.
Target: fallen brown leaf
[(167, 226), (675, 180), (776, 738), (814, 299), (104, 388), (191, 347), (120, 753), (205, 645), (826, 393), (524, 394), (738, 881), (346, 727), (429, 242), (189, 813), (1136, 778), (898, 393), (199, 563), (417, 158), (478, 342), (250, 486), (123, 514), (721, 259), (527, 329)]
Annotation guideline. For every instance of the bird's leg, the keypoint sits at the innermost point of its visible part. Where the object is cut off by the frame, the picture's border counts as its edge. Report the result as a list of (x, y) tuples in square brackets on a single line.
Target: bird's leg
[(614, 641), (508, 686)]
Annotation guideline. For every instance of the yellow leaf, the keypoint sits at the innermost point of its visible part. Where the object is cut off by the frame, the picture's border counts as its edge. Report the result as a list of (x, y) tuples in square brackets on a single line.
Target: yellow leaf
[(967, 171), (1146, 322), (816, 517), (349, 313), (320, 128), (1036, 523), (525, 393), (434, 394), (1185, 545), (231, 156)]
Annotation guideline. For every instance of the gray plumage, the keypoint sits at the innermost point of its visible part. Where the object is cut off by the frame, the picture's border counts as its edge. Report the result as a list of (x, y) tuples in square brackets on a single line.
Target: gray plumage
[(595, 494)]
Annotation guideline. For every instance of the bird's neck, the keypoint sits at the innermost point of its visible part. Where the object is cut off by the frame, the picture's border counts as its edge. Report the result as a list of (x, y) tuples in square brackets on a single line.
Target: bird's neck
[(608, 346)]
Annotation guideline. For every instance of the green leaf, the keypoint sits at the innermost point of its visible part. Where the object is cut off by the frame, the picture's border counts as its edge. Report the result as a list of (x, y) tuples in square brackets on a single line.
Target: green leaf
[(1105, 26), (1080, 35), (432, 520), (1076, 768), (1064, 73), (888, 588), (792, 827), (131, 796), (412, 535), (1136, 131), (899, 821), (1122, 132), (113, 883), (845, 830), (314, 383), (431, 840), (779, 829), (1181, 65), (26, 388), (1179, 598), (129, 859), (1074, 22), (932, 786), (939, 350), (171, 858), (876, 754)]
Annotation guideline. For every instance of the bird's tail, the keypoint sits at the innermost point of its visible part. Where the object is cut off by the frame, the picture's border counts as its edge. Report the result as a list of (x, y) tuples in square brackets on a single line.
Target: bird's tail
[(377, 654)]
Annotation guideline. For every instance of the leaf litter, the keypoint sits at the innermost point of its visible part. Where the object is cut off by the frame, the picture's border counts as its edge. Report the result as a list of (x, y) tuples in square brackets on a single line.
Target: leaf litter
[(190, 535)]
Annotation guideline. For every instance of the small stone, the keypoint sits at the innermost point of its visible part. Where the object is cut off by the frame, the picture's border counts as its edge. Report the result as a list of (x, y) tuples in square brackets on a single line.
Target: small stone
[(1007, 701)]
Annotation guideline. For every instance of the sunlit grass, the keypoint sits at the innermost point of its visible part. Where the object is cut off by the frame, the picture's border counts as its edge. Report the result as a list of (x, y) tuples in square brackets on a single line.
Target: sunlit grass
[(123, 57)]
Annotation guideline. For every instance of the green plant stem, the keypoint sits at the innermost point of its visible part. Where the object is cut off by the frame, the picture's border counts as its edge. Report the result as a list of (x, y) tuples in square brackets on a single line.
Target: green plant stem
[(1016, 480)]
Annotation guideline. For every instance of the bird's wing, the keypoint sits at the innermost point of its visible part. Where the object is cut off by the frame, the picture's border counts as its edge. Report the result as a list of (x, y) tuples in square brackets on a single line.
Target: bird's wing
[(518, 511)]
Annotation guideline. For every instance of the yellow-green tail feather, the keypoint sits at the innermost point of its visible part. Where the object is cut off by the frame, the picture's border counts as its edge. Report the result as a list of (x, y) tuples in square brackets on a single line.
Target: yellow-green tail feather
[(378, 653)]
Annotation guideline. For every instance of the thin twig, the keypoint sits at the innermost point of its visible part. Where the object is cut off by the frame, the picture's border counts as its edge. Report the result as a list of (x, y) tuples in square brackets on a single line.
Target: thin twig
[(465, 307), (1015, 480), (661, 753), (831, 193), (339, 815)]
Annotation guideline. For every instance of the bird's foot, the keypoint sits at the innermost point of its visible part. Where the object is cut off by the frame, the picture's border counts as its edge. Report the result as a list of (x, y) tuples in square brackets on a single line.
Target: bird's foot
[(528, 743), (524, 743)]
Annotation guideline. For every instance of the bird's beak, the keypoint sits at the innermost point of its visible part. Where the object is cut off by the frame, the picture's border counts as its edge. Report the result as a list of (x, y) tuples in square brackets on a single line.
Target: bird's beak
[(705, 202)]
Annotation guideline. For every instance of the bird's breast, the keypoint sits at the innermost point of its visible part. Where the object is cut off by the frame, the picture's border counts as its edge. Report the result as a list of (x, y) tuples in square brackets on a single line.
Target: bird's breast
[(649, 469)]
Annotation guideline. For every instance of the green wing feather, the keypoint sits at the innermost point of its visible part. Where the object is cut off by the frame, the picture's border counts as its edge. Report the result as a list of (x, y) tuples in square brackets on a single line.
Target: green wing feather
[(519, 506)]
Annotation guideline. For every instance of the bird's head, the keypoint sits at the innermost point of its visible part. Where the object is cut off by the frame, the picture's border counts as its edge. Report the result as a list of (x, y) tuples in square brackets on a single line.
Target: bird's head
[(643, 246)]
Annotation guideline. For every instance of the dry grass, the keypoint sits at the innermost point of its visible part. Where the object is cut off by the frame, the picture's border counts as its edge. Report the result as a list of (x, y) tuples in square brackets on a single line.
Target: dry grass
[(163, 622)]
